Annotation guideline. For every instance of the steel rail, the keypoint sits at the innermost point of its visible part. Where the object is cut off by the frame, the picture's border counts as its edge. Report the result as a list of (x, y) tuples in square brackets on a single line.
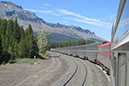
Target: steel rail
[(72, 74), (85, 73)]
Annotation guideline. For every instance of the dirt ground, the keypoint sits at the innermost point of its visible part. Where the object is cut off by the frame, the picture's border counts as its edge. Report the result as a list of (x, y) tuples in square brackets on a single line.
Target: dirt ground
[(40, 74), (53, 71)]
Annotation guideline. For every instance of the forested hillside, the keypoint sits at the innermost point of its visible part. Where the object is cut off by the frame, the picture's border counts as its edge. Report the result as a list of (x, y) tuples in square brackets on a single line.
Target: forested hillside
[(71, 43)]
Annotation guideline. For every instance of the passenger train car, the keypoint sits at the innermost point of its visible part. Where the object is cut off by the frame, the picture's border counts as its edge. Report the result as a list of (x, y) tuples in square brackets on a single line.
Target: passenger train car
[(88, 52), (120, 47), (113, 56), (104, 56)]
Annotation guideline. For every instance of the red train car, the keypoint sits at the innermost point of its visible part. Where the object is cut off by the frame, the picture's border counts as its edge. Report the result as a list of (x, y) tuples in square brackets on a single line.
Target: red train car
[(104, 56)]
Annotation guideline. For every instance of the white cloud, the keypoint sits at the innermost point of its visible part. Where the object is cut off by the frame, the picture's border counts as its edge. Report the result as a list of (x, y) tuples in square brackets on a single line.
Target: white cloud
[(112, 17), (76, 17), (51, 12), (42, 11), (74, 14), (49, 5), (84, 19), (65, 21), (56, 14)]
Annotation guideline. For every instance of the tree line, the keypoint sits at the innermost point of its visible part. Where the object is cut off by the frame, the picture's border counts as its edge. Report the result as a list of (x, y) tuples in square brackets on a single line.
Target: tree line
[(15, 42), (71, 43)]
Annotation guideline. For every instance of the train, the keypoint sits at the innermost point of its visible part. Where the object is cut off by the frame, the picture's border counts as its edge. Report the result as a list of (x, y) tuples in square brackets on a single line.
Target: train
[(112, 56), (119, 65), (98, 53)]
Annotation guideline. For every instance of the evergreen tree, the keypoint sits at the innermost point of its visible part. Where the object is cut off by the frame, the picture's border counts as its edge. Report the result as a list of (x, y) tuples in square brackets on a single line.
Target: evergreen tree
[(3, 26), (23, 48), (15, 42), (0, 49), (31, 45), (29, 31), (34, 47), (17, 33), (22, 31)]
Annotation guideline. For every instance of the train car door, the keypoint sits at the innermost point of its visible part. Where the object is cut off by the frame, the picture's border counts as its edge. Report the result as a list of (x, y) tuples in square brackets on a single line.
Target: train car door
[(121, 69), (127, 79), (113, 74)]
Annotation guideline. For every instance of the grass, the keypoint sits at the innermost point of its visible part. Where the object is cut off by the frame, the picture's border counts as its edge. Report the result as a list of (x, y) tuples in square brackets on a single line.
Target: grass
[(44, 56), (28, 61), (37, 60), (32, 61)]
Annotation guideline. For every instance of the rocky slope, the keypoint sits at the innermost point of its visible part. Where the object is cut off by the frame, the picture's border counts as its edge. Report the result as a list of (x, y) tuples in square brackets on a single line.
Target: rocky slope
[(58, 31)]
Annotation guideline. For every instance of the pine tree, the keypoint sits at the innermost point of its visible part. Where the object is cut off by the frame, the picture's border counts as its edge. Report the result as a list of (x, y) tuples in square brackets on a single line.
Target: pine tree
[(22, 31), (15, 42), (29, 31), (0, 50), (17, 33), (34, 47), (31, 42), (23, 48), (3, 27), (29, 37)]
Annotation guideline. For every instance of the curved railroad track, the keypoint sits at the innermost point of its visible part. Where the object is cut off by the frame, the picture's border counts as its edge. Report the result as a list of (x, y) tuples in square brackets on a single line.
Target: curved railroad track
[(77, 63), (85, 74), (72, 74)]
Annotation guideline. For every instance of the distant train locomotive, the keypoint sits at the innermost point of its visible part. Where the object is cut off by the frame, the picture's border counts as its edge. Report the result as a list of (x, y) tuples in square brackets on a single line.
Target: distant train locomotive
[(113, 56)]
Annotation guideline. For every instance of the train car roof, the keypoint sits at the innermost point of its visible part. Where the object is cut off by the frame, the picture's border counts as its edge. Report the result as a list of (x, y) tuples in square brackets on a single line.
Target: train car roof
[(77, 46), (104, 45), (83, 45)]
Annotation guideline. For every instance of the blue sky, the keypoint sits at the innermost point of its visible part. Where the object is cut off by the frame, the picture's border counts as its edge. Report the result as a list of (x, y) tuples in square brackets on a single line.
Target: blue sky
[(94, 15)]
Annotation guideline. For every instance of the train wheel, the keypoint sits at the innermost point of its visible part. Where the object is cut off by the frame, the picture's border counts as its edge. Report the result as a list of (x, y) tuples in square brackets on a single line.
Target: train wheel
[(103, 67), (85, 58), (95, 61), (108, 72)]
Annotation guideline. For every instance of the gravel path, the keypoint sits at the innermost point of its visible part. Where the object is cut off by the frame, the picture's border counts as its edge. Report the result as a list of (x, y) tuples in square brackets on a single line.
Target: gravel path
[(54, 71)]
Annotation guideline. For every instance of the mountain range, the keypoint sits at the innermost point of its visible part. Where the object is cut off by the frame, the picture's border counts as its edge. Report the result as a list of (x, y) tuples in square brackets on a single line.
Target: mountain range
[(59, 32)]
